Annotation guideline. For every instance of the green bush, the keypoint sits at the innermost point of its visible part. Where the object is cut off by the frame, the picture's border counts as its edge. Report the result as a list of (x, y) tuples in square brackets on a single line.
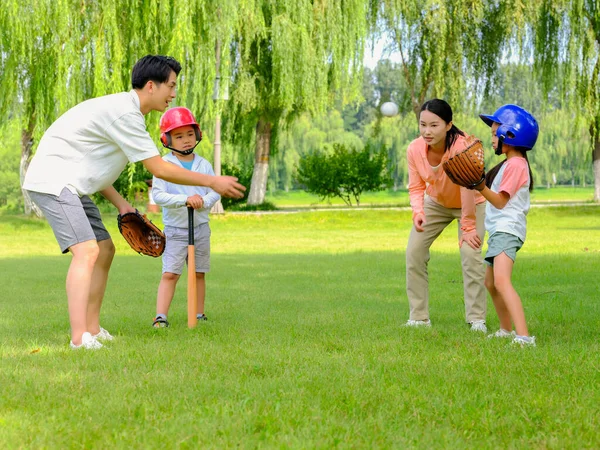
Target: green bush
[(265, 206), (345, 173)]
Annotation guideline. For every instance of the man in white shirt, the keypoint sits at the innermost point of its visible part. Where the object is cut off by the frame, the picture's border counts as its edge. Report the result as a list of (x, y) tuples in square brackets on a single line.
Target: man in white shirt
[(83, 152)]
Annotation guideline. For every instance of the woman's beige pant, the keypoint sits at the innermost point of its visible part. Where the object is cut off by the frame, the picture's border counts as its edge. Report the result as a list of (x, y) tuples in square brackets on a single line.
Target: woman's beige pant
[(437, 219)]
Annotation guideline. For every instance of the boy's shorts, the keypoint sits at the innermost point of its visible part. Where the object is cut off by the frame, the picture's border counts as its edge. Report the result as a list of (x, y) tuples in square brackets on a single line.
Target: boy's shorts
[(502, 242), (175, 255), (73, 219)]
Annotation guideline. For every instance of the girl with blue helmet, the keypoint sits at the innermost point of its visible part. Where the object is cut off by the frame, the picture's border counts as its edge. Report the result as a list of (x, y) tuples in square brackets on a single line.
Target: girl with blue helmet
[(507, 189)]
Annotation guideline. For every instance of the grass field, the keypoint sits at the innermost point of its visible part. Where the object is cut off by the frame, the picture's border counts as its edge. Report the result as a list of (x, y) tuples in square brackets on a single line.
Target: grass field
[(304, 347), (302, 199)]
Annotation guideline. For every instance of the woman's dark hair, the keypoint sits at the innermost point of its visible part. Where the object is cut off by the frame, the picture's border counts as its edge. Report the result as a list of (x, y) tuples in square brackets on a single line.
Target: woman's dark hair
[(442, 109), (155, 68), (491, 175)]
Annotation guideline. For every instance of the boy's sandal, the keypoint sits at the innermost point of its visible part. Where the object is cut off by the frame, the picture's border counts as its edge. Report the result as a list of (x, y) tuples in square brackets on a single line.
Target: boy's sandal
[(159, 322)]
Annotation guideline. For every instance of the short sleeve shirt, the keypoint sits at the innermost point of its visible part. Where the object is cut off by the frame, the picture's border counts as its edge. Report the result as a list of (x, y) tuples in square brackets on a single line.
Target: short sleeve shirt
[(87, 148)]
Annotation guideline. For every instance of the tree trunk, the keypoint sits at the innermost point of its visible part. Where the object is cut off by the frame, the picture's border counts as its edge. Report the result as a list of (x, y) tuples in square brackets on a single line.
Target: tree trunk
[(218, 206), (258, 187), (26, 146), (596, 162)]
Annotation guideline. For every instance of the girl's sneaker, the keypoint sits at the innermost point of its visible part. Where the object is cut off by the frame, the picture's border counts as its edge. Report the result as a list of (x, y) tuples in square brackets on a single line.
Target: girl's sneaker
[(524, 341), (201, 317), (160, 322), (103, 335), (502, 333), (88, 342)]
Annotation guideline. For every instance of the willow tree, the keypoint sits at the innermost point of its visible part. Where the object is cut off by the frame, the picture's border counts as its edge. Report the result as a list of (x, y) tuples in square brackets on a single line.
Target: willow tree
[(290, 57), (34, 44), (57, 53), (431, 46), (567, 48)]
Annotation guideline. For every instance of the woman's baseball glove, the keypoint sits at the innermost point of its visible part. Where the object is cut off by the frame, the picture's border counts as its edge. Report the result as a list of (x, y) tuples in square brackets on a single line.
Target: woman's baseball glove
[(467, 168)]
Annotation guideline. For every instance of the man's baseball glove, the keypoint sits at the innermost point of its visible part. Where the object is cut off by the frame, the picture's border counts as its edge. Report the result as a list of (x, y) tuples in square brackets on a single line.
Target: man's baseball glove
[(467, 167), (141, 234)]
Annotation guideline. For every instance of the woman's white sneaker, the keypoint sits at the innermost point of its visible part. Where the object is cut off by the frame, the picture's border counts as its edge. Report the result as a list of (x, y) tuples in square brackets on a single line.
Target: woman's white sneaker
[(418, 323), (478, 325), (88, 342)]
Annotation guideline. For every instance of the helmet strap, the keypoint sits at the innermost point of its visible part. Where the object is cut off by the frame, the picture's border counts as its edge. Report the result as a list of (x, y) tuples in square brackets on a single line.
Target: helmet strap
[(499, 149), (184, 152)]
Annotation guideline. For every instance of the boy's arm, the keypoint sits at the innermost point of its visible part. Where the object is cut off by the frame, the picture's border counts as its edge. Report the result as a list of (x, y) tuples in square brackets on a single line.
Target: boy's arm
[(122, 205), (224, 185), (163, 198), (210, 199)]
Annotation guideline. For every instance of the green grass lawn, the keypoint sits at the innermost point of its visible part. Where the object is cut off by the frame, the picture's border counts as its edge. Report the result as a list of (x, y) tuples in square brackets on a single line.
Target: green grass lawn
[(302, 199), (304, 346)]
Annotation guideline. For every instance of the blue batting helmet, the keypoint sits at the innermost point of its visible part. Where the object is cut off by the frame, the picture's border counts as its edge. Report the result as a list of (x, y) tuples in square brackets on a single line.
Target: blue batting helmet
[(517, 126)]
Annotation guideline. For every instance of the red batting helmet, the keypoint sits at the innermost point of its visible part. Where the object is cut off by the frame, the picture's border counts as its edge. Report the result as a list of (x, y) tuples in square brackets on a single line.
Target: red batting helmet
[(175, 118)]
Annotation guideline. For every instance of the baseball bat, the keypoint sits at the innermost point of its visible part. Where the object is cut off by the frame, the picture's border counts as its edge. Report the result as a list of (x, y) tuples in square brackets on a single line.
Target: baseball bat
[(191, 291)]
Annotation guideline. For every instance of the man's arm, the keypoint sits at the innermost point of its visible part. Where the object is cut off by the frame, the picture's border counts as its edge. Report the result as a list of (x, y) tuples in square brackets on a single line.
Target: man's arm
[(224, 185), (122, 205)]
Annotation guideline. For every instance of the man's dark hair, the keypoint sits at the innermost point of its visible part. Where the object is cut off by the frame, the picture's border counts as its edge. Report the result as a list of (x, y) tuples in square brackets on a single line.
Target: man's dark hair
[(155, 68)]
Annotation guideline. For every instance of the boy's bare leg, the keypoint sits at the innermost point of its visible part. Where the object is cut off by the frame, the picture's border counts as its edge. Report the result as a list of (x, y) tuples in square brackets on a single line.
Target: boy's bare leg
[(166, 291), (79, 281), (503, 266), (98, 286), (201, 291)]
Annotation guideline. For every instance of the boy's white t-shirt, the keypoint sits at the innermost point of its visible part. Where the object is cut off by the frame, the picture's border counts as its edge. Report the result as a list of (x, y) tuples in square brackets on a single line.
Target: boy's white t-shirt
[(87, 148)]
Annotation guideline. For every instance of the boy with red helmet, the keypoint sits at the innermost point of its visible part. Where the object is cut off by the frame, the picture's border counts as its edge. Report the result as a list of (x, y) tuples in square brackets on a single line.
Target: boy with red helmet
[(180, 133)]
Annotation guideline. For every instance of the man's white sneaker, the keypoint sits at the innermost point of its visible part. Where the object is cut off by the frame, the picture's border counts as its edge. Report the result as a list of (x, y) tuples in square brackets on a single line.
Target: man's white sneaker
[(502, 333), (103, 335), (524, 341), (478, 325), (88, 342), (418, 323)]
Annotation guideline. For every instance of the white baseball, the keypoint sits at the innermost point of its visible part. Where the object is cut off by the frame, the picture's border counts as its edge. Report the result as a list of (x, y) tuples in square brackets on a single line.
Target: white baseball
[(389, 109)]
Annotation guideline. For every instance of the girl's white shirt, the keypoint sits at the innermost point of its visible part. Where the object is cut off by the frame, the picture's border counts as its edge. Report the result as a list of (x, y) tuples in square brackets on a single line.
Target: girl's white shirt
[(512, 218)]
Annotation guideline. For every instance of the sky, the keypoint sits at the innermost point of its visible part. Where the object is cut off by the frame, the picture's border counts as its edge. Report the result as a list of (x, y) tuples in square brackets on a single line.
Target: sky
[(373, 55)]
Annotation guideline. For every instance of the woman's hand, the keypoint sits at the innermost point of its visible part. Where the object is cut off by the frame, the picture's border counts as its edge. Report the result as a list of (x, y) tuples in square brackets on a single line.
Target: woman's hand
[(470, 238), (419, 222)]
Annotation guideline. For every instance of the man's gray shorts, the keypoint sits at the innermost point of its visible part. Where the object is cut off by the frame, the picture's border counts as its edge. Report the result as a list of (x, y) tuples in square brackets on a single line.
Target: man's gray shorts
[(175, 255), (502, 242), (74, 220)]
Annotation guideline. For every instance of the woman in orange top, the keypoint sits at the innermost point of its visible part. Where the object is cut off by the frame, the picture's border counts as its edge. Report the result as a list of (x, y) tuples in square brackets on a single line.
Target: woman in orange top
[(436, 202)]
